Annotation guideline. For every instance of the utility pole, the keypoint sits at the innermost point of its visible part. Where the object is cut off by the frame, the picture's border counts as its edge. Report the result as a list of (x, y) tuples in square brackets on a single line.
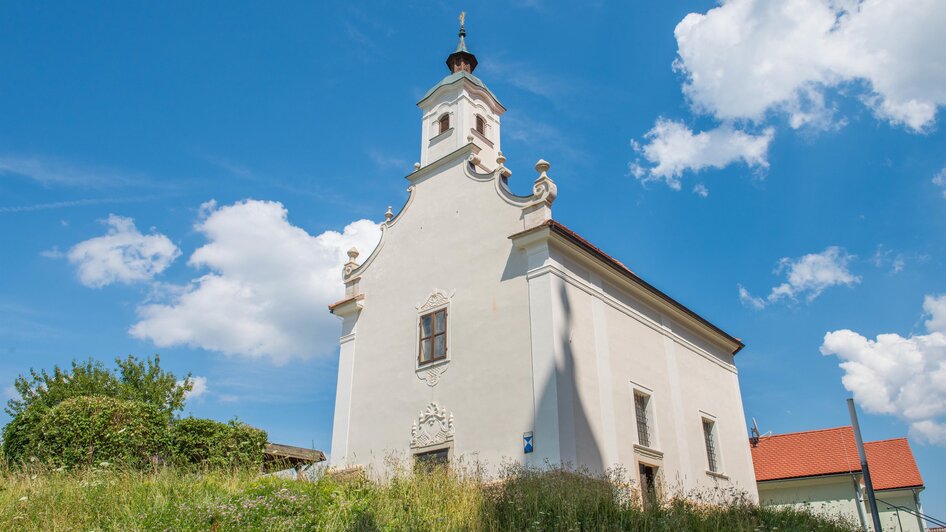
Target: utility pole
[(875, 516)]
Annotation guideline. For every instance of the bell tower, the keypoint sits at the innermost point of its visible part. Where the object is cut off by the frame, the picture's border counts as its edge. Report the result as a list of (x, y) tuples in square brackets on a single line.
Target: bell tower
[(460, 110)]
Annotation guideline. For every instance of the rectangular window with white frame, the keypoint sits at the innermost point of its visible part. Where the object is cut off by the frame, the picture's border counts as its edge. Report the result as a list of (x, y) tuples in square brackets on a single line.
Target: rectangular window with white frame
[(642, 410), (433, 337), (713, 464)]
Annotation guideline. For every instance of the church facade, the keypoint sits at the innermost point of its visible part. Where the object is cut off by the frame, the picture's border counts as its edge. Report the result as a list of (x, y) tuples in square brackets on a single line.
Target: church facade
[(482, 329)]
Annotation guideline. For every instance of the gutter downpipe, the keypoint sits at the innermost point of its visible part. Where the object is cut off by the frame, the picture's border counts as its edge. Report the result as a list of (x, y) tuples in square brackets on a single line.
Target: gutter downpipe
[(875, 515), (919, 510), (859, 501)]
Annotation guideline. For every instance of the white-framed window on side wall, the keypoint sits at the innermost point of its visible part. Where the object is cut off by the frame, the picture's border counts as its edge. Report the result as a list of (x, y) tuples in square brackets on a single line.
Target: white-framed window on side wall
[(644, 417), (714, 460)]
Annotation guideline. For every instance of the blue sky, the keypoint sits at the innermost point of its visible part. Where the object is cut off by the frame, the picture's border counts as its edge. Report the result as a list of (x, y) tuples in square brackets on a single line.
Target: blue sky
[(779, 171)]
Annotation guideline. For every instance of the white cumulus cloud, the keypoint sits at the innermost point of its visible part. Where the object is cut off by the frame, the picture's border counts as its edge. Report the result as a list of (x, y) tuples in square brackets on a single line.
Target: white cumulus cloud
[(746, 58), (746, 62), (671, 148), (198, 387), (897, 375), (267, 288), (806, 276), (122, 255)]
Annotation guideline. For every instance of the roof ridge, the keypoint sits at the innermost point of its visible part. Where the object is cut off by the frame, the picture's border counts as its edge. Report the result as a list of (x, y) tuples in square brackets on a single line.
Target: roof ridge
[(888, 439), (807, 432)]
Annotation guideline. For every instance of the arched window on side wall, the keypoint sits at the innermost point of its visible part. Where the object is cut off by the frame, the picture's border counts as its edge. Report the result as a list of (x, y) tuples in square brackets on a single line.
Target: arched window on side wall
[(444, 123)]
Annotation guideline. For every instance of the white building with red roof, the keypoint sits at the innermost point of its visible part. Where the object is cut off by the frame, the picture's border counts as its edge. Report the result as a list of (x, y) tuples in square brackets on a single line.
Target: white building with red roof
[(820, 470)]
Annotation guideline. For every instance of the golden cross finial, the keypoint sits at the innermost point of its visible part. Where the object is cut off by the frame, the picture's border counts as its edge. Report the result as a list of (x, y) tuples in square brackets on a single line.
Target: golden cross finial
[(462, 17)]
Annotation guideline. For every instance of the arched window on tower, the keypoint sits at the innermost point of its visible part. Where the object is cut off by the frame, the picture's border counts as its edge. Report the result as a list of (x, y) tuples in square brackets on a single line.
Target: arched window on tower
[(444, 123), (480, 125)]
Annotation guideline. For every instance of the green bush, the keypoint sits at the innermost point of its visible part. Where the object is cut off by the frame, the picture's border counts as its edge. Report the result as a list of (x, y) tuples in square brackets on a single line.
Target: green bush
[(91, 430), (208, 443), (133, 380), (21, 433)]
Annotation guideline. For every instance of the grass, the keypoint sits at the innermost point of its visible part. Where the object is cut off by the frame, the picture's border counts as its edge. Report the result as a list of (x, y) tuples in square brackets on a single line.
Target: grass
[(173, 499)]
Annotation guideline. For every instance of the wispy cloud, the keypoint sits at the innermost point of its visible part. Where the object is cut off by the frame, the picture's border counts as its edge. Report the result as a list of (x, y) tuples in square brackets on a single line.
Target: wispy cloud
[(74, 203), (529, 78), (52, 172), (807, 276), (387, 162), (888, 258), (361, 30), (518, 126), (231, 167), (940, 180), (22, 322)]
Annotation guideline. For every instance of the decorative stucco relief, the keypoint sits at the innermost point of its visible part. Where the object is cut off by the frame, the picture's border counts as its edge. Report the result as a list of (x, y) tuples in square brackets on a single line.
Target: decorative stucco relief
[(432, 374), (435, 299), (544, 189), (433, 426)]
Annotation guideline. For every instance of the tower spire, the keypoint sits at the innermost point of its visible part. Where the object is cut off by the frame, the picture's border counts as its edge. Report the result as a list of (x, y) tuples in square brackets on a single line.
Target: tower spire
[(461, 59)]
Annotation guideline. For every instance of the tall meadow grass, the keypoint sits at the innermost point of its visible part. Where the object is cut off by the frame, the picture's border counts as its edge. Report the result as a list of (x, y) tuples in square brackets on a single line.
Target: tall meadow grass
[(104, 498)]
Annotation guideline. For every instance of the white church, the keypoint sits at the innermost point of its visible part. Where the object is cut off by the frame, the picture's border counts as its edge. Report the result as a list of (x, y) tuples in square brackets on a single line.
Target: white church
[(481, 328)]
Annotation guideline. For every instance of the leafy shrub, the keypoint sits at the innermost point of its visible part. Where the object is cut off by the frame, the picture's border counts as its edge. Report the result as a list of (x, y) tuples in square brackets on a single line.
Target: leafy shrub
[(20, 435), (133, 380), (41, 392), (91, 430), (209, 443)]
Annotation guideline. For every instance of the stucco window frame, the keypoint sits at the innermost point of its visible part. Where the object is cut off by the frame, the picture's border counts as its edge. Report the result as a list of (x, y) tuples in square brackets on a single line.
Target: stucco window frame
[(720, 462), (423, 366), (433, 335), (653, 429)]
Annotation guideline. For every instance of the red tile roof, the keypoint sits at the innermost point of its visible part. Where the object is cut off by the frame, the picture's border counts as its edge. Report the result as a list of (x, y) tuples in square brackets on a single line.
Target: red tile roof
[(833, 451), (891, 464)]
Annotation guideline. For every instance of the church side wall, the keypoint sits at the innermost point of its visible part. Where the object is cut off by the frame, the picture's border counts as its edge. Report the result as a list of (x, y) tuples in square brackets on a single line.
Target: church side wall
[(616, 344)]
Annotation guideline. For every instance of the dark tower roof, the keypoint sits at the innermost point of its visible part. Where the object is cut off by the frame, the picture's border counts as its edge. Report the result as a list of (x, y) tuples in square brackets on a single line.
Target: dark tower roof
[(461, 59)]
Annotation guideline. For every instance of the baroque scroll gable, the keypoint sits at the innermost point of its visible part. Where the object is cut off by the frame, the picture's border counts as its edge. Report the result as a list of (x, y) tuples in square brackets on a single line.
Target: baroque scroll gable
[(433, 426)]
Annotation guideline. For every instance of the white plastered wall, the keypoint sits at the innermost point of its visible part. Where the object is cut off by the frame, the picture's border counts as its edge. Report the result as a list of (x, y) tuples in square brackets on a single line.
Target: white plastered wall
[(452, 236), (613, 343)]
